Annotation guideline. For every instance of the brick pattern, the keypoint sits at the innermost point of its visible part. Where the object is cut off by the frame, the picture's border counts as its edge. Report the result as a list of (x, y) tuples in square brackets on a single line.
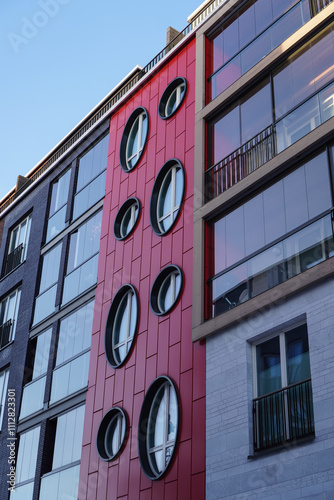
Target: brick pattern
[(163, 344), (303, 471)]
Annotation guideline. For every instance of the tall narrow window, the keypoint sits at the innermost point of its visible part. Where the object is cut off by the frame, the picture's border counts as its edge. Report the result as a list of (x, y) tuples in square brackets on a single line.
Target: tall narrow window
[(58, 205), (81, 273), (158, 427), (91, 177), (26, 465), (71, 371), (282, 408), (121, 325), (35, 374), (134, 139), (62, 480), (4, 374), (9, 307), (18, 245), (167, 197), (45, 302)]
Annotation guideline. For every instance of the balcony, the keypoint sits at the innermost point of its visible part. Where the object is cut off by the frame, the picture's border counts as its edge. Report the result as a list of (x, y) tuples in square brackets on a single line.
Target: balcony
[(271, 141), (244, 160), (14, 259), (5, 331), (283, 416)]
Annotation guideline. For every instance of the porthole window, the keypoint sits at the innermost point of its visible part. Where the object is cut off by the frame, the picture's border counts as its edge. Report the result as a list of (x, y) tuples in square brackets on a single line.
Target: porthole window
[(167, 197), (121, 326), (166, 290), (134, 139), (112, 433), (158, 427), (172, 98), (126, 218)]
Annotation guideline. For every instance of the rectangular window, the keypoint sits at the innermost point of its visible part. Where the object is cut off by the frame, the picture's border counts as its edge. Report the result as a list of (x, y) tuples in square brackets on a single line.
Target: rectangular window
[(58, 205), (91, 177), (63, 479), (26, 465), (3, 393), (45, 302), (82, 260), (9, 308), (251, 258), (282, 408), (71, 371), (244, 138), (18, 245), (252, 34), (35, 374)]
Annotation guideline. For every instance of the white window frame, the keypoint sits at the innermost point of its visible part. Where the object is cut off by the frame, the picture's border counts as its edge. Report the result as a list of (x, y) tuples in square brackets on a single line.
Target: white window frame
[(140, 145), (178, 99), (17, 238), (129, 335), (165, 442), (173, 208), (13, 317)]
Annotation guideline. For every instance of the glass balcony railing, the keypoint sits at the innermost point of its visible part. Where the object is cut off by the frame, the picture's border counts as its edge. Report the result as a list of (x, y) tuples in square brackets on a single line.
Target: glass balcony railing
[(69, 377), (287, 258), (32, 397), (80, 279), (61, 484)]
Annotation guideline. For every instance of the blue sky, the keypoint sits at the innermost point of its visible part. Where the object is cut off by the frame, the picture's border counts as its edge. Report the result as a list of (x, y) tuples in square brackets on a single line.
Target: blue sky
[(59, 58)]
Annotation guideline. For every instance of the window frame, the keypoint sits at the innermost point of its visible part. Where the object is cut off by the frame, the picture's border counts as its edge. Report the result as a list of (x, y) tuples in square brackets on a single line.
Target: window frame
[(160, 280), (135, 206), (28, 220), (171, 165), (102, 434), (67, 171), (93, 179), (144, 426), (142, 138), (174, 85), (282, 334), (13, 319), (58, 365), (129, 293)]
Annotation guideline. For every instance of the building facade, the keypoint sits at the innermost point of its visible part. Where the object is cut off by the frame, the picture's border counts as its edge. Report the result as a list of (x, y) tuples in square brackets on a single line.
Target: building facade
[(144, 434), (263, 247), (167, 272), (50, 242)]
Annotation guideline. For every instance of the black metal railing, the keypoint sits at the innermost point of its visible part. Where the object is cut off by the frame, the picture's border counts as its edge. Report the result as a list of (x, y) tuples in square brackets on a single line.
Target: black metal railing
[(283, 416), (14, 259), (5, 330), (244, 160)]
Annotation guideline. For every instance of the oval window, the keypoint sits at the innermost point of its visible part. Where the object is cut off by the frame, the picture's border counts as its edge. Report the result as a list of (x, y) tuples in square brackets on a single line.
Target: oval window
[(158, 427), (111, 434), (121, 326), (126, 218), (167, 197), (166, 290), (172, 98), (134, 139)]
